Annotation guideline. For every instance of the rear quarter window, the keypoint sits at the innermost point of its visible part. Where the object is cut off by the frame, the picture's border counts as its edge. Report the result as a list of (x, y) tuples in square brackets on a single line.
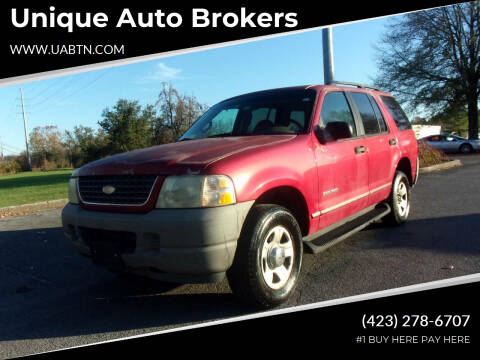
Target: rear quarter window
[(397, 113)]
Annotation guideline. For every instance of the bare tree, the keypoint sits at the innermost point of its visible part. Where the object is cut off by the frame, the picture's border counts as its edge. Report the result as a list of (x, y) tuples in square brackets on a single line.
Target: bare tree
[(432, 59), (176, 113)]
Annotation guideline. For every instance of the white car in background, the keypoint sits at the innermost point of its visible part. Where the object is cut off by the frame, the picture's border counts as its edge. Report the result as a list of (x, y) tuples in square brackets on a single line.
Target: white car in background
[(452, 143)]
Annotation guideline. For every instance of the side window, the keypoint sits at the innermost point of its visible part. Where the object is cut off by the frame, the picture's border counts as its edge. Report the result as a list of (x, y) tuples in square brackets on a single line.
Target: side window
[(370, 123), (335, 108), (437, 138), (397, 113), (378, 113)]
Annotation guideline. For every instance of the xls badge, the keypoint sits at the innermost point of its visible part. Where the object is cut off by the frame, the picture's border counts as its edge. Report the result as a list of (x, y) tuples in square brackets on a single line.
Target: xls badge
[(328, 192)]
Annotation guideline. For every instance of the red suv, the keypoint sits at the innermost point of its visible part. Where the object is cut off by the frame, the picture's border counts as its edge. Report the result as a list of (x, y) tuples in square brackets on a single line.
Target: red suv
[(258, 179)]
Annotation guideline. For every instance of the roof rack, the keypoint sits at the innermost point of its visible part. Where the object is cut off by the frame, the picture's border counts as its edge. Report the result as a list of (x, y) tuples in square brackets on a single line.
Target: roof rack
[(353, 84)]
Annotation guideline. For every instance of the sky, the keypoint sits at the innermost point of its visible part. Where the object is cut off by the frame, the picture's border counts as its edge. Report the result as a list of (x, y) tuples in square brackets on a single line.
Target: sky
[(209, 75)]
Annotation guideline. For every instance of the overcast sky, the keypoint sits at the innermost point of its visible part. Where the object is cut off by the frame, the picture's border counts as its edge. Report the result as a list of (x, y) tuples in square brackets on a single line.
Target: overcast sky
[(210, 75)]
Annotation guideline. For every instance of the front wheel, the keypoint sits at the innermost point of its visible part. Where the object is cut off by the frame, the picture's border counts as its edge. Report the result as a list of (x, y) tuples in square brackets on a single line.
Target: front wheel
[(399, 200), (268, 257)]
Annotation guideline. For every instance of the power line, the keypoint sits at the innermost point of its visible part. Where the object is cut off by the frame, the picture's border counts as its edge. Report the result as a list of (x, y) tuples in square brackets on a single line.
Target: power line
[(50, 86), (12, 108), (25, 111), (8, 150), (11, 147), (48, 97), (78, 90), (36, 85), (87, 85)]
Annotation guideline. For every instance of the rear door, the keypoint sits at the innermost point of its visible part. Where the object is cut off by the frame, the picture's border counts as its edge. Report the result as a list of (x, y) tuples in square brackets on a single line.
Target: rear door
[(382, 146)]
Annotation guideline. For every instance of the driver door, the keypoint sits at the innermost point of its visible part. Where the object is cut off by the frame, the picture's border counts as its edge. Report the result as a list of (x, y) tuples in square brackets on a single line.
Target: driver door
[(342, 166)]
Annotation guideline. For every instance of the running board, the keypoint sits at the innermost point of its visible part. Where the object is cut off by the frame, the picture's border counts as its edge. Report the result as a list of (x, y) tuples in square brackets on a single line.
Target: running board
[(335, 233)]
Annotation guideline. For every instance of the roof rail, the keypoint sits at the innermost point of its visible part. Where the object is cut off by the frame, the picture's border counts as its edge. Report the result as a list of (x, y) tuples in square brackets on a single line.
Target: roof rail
[(337, 82)]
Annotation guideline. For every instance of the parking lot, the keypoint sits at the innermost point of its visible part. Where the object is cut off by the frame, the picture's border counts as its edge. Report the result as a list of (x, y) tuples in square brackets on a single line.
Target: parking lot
[(51, 298)]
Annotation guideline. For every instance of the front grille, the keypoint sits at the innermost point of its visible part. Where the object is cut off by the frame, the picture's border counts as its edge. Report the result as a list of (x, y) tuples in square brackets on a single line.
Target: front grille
[(129, 189)]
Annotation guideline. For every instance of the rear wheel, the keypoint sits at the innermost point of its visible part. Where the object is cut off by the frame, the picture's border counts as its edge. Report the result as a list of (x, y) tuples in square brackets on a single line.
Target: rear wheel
[(399, 200), (268, 258), (466, 148)]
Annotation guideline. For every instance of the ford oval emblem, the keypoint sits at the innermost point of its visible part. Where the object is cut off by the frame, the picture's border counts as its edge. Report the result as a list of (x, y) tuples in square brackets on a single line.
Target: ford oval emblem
[(108, 189)]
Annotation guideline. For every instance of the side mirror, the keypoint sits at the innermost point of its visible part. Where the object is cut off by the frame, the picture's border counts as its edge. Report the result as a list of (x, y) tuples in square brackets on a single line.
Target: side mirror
[(339, 130), (322, 135), (334, 130)]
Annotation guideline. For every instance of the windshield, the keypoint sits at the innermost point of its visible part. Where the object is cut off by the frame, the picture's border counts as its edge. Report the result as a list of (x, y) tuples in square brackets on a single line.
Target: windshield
[(273, 113)]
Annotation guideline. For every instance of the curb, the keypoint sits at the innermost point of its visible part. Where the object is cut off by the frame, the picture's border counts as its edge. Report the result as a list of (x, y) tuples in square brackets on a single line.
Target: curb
[(42, 205), (443, 166)]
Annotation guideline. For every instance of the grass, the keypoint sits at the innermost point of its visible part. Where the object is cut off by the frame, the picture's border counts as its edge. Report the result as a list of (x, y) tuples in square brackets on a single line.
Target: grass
[(31, 187)]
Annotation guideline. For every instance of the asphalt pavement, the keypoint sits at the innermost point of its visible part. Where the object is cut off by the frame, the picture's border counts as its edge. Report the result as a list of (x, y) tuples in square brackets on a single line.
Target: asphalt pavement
[(52, 298)]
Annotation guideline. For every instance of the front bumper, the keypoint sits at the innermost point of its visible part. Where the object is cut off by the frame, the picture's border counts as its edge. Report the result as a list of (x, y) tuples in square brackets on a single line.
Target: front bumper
[(180, 245)]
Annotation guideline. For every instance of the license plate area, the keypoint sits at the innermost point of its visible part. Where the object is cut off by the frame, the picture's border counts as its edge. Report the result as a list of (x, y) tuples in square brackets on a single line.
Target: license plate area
[(107, 246), (106, 254)]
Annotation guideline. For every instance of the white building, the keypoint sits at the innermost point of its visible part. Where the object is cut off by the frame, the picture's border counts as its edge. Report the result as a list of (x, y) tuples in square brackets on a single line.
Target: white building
[(426, 130)]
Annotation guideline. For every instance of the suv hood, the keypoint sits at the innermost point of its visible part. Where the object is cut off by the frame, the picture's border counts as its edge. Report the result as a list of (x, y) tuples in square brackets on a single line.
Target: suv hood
[(184, 157)]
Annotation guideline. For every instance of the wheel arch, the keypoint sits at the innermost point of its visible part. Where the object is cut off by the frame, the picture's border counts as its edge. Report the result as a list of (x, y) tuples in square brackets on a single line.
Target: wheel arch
[(405, 166), (291, 199)]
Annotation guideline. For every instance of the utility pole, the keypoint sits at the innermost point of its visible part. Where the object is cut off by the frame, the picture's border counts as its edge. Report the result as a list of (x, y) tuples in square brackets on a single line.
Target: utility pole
[(1, 149), (25, 128), (328, 70)]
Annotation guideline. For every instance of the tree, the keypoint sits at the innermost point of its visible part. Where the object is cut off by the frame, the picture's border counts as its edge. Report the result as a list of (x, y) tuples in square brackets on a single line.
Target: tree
[(84, 145), (432, 59), (452, 122), (176, 113), (48, 149), (127, 126)]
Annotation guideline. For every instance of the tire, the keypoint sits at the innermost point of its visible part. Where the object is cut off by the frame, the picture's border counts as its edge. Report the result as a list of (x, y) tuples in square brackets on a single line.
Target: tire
[(466, 149), (399, 200), (268, 258)]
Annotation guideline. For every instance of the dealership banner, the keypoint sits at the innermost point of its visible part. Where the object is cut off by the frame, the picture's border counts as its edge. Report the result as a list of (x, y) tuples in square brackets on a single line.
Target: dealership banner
[(45, 36), (440, 316)]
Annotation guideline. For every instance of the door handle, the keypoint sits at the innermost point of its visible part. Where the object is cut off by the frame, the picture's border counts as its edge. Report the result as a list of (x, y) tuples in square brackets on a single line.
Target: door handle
[(392, 142), (360, 149)]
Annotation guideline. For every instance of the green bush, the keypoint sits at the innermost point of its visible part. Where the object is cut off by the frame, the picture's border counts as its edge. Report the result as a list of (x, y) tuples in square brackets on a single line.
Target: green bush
[(10, 167), (428, 155)]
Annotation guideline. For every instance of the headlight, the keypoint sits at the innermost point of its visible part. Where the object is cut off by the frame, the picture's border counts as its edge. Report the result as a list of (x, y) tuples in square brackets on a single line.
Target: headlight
[(72, 191), (192, 191)]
